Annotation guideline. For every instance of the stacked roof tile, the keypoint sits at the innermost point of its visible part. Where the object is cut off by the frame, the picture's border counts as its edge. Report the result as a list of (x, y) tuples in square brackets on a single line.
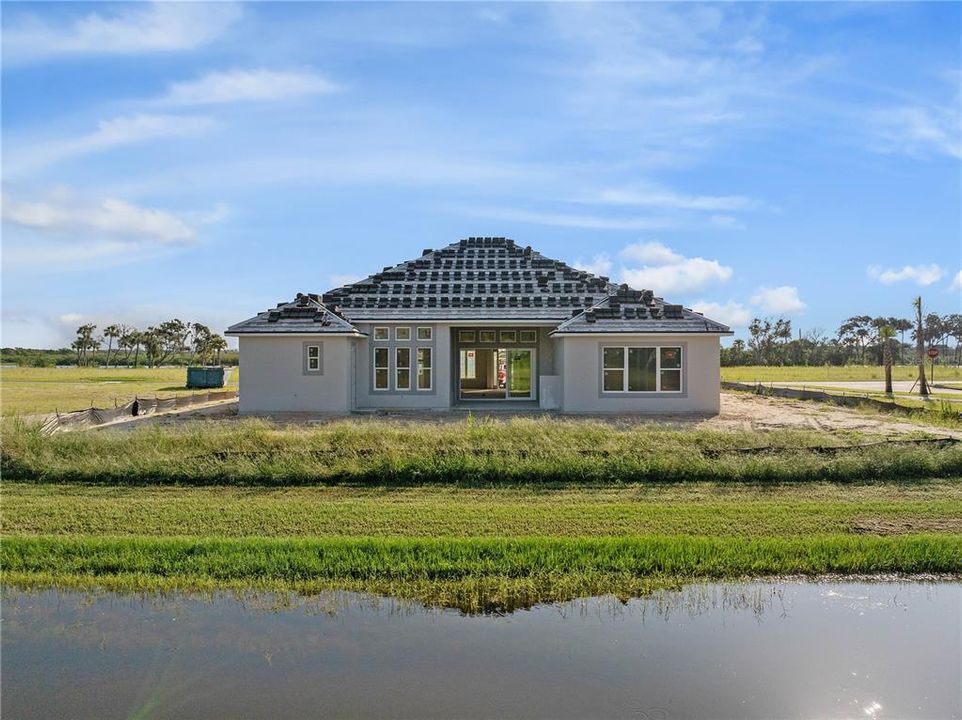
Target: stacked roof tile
[(489, 278)]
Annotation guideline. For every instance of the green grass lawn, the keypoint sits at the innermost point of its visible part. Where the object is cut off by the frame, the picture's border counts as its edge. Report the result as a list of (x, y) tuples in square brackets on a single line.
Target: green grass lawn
[(537, 450), (31, 391), (475, 549), (822, 373)]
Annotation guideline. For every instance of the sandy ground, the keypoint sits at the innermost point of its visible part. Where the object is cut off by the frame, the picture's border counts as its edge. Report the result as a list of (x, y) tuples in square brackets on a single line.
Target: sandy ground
[(739, 411)]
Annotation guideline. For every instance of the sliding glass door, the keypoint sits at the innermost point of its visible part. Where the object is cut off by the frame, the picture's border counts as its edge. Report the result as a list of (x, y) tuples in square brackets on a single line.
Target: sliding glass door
[(520, 374), (496, 374)]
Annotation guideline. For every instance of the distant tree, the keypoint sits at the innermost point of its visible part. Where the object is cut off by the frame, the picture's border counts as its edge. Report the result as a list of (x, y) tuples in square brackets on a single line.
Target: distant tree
[(857, 332), (901, 325), (218, 343), (200, 343), (111, 333), (953, 328), (85, 341)]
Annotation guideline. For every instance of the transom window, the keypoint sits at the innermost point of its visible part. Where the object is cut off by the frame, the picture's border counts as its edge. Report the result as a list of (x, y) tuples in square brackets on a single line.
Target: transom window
[(641, 369), (425, 333), (402, 333), (528, 336), (380, 333)]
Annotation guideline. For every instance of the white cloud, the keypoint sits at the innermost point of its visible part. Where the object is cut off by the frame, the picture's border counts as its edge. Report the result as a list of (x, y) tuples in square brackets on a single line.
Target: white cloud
[(339, 280), (653, 253), (116, 132), (246, 85), (600, 264), (67, 231), (669, 199), (588, 222), (129, 29), (918, 131), (783, 300), (919, 274), (666, 271), (731, 313), (110, 217), (956, 281)]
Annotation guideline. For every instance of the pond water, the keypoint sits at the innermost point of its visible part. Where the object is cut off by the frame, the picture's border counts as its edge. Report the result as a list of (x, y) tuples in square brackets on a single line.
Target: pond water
[(860, 650)]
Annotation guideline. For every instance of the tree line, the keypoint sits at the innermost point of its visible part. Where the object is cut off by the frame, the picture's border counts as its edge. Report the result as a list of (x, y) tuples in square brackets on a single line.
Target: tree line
[(124, 344), (861, 339)]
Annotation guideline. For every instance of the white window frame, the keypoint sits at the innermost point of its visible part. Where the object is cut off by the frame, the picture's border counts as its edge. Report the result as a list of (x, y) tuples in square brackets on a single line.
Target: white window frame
[(398, 368), (466, 336), (508, 336), (527, 336), (624, 369), (487, 336), (316, 359), (399, 330), (386, 332), (386, 368), (420, 367), (425, 333)]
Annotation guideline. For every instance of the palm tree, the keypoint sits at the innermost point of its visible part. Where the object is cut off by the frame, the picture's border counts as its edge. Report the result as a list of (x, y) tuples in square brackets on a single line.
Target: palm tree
[(111, 332), (920, 346), (886, 333), (216, 344)]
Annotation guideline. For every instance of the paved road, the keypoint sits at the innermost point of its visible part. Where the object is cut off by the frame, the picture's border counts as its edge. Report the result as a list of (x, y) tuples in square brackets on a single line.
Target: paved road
[(866, 386)]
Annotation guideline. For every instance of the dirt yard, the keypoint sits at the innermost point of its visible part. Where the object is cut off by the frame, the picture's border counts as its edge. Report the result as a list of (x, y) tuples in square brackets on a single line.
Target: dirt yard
[(739, 411)]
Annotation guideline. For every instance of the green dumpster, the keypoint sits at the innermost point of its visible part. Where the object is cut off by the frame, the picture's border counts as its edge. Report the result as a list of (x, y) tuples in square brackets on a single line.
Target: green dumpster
[(205, 377)]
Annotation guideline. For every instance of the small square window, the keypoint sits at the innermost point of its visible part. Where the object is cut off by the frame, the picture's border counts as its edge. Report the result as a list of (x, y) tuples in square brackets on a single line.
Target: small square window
[(528, 336), (488, 336), (466, 336), (402, 333), (425, 333), (380, 333), (508, 336)]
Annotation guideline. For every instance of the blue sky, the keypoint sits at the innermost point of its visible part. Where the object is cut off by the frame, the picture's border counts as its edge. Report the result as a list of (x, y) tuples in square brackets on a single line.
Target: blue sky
[(206, 161)]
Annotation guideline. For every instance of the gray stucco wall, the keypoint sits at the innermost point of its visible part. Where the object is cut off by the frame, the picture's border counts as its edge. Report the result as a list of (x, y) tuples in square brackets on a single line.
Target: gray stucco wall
[(273, 375), (438, 397), (581, 376)]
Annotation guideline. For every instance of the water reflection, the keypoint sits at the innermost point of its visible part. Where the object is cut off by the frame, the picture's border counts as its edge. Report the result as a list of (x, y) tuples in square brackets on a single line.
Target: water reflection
[(752, 650)]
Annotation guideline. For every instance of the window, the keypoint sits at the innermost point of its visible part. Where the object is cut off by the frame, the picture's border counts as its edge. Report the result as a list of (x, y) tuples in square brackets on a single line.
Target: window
[(642, 373), (425, 333), (466, 336), (402, 333), (380, 333), (402, 368), (508, 336), (380, 368), (528, 336), (671, 369), (424, 368), (469, 369), (641, 369), (488, 336), (314, 358), (614, 369)]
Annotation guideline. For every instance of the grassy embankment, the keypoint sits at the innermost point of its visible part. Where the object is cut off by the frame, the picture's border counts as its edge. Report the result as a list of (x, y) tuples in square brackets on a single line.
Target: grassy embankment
[(29, 391), (473, 515)]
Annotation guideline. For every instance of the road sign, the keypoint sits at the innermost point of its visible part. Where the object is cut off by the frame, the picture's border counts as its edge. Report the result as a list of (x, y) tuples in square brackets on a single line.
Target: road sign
[(933, 353)]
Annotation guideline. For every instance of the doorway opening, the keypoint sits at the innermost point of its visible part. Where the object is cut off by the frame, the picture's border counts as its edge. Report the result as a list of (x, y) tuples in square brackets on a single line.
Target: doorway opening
[(496, 374)]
